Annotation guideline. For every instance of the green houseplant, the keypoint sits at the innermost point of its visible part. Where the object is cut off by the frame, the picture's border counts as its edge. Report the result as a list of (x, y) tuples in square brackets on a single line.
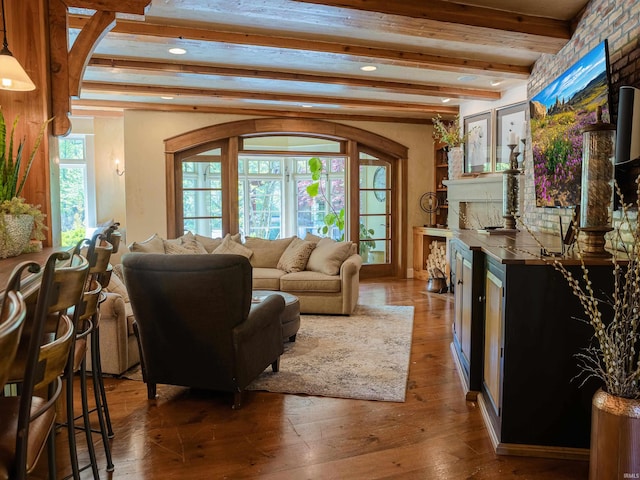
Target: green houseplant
[(448, 132), (336, 217), (19, 220)]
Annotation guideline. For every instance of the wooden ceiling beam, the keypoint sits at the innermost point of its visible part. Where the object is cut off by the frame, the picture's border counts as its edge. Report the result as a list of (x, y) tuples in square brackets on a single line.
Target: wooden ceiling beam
[(67, 66), (387, 86), (80, 105), (415, 59), (473, 16), (274, 97), (134, 7)]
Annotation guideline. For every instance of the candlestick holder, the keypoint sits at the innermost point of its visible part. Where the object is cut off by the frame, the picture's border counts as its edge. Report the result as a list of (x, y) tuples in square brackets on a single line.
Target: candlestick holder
[(511, 190), (521, 162)]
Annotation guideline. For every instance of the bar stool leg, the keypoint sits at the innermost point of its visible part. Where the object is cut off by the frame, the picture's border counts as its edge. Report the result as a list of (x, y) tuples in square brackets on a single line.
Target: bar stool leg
[(86, 420), (102, 408), (71, 430)]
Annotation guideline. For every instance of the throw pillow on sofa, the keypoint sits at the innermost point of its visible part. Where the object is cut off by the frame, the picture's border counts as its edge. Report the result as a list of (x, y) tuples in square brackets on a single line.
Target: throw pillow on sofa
[(172, 248), (191, 243), (210, 244), (230, 246), (328, 256), (296, 255)]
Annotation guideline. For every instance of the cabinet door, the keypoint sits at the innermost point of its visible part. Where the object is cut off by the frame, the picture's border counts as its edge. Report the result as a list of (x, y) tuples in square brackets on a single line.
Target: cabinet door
[(493, 339), (467, 299), (457, 292)]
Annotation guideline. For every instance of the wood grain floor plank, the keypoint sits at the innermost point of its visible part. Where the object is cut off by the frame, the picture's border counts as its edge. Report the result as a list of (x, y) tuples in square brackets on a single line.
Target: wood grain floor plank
[(435, 434)]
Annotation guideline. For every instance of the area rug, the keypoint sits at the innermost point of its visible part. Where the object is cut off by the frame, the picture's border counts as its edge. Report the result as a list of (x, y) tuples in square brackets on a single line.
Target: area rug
[(363, 356)]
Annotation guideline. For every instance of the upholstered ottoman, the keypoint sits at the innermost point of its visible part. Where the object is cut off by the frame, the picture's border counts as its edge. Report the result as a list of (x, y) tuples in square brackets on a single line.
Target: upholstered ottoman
[(290, 317)]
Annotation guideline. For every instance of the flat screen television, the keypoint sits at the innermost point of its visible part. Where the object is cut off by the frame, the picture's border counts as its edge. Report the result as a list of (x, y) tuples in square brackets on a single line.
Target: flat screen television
[(558, 115)]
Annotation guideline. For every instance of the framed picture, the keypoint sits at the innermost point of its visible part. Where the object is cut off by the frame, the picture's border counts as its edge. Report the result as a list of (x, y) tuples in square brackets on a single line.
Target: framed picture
[(511, 126), (477, 146)]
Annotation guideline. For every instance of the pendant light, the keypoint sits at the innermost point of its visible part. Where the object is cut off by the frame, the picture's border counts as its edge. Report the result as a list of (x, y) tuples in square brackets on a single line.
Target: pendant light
[(12, 75)]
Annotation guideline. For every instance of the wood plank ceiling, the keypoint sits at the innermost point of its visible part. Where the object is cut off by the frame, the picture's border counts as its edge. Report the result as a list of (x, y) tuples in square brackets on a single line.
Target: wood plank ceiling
[(305, 58)]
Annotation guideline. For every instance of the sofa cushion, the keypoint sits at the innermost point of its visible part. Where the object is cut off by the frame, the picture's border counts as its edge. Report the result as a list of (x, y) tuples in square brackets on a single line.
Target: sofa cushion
[(153, 244), (308, 281), (267, 278), (230, 246), (190, 242), (266, 253), (210, 244), (117, 286), (296, 255), (328, 256)]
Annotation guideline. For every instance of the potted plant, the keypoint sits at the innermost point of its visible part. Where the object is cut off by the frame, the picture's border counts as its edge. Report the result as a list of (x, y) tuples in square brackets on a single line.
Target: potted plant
[(366, 242), (19, 220), (335, 218), (448, 133)]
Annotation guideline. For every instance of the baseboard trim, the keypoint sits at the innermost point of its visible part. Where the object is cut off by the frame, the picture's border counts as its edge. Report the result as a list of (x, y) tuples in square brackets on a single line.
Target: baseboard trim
[(525, 450)]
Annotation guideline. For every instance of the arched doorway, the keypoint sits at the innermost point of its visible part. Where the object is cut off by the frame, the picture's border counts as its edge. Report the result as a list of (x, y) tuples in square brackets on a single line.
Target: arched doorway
[(216, 166)]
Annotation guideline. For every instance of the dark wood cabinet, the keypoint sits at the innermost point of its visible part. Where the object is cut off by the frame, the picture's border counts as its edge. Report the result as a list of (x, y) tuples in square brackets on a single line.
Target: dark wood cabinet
[(531, 327), (468, 319)]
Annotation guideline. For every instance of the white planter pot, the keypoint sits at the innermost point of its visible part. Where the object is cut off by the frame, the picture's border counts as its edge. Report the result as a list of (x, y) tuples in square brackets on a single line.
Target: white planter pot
[(15, 233)]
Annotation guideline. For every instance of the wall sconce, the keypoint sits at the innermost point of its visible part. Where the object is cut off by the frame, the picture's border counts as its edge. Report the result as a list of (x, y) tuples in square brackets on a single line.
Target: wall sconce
[(12, 75), (118, 171)]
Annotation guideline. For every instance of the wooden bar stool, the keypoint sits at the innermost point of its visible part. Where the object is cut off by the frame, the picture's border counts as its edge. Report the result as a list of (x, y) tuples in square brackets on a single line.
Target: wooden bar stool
[(27, 420), (98, 253)]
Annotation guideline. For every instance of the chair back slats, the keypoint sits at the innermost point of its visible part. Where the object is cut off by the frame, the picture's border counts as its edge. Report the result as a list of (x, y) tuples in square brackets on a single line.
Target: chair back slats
[(12, 318), (67, 287), (89, 303), (54, 355)]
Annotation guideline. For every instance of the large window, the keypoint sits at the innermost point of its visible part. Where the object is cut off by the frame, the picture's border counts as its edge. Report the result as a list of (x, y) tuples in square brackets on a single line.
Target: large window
[(263, 178), (77, 201), (273, 199)]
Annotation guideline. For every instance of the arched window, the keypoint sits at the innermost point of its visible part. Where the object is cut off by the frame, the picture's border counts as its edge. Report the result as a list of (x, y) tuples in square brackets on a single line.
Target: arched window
[(251, 177)]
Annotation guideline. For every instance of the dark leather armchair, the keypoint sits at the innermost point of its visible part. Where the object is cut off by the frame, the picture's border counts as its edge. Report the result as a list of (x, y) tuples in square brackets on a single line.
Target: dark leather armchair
[(195, 323)]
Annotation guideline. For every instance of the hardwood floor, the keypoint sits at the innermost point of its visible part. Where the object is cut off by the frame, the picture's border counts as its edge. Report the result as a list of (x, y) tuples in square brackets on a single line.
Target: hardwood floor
[(434, 434)]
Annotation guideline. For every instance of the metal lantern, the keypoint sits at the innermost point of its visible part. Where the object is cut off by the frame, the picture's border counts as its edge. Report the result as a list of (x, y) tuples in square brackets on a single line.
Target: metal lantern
[(596, 198)]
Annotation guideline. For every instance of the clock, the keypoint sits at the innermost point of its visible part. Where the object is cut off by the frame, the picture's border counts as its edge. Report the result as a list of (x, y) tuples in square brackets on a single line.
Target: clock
[(380, 183)]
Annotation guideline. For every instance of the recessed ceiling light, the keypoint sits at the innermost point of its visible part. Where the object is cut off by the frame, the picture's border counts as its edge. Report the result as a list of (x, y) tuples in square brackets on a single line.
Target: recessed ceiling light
[(467, 78), (495, 83), (177, 51), (369, 68), (306, 106), (166, 97), (446, 100)]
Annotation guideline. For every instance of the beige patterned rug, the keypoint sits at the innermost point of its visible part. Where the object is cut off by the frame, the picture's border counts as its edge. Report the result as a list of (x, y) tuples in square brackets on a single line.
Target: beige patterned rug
[(364, 356)]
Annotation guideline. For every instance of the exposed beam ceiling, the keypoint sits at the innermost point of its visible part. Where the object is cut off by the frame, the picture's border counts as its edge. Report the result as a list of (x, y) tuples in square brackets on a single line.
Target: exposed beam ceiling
[(304, 57)]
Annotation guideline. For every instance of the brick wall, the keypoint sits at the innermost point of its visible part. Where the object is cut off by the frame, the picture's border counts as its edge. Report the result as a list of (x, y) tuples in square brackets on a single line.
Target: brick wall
[(618, 21)]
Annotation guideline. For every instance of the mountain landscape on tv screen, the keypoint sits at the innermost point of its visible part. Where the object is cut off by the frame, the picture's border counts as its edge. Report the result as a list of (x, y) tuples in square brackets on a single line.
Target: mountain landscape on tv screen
[(556, 131)]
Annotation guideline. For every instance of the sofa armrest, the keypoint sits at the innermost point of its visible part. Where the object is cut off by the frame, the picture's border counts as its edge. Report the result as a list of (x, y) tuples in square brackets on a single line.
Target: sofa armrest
[(350, 282), (351, 266), (114, 333), (258, 340)]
